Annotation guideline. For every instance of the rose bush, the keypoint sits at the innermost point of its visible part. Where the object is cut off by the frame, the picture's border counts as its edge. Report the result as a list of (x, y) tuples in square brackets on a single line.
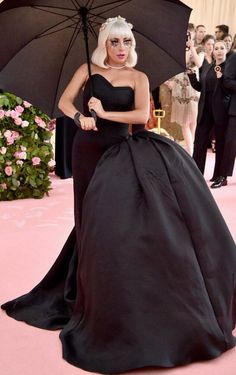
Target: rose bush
[(26, 155)]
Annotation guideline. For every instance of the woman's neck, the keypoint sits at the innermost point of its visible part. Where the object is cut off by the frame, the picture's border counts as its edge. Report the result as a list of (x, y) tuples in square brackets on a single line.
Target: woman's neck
[(113, 66), (219, 61)]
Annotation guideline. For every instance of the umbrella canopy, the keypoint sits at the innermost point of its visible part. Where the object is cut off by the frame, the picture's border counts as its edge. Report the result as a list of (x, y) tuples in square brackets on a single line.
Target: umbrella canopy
[(43, 42)]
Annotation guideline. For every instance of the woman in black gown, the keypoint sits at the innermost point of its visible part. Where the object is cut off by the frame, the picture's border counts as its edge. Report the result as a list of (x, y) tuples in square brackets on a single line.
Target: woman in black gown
[(147, 277)]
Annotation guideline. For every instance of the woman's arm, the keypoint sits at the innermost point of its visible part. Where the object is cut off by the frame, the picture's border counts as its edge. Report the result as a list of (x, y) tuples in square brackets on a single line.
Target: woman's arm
[(196, 58), (66, 102), (194, 81), (140, 113)]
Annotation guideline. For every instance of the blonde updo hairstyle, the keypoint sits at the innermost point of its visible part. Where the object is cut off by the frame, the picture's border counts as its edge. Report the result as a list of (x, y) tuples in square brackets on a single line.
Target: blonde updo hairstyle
[(114, 28)]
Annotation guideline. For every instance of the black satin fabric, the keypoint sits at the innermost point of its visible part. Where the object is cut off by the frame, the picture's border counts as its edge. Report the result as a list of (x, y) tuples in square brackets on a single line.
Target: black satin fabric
[(147, 276)]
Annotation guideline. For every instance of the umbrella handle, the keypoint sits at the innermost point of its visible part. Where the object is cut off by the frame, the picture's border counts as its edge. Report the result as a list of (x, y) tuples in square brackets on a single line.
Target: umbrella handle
[(94, 115)]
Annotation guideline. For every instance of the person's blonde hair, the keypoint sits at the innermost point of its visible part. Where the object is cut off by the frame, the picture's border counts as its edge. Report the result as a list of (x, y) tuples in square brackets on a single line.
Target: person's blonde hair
[(114, 28)]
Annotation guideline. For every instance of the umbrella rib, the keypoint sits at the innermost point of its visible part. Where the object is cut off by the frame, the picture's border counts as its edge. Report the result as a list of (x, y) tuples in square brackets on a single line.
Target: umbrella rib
[(152, 41), (92, 30), (51, 7), (71, 43), (46, 32), (99, 15), (122, 2)]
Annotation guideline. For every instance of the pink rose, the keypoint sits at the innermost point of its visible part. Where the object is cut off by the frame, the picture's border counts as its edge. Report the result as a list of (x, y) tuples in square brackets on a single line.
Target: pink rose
[(36, 160), (26, 104), (8, 170), (2, 114), (10, 140), (16, 154), (40, 122), (52, 125), (23, 148), (19, 109), (20, 155), (14, 114), (15, 134), (18, 121), (8, 113)]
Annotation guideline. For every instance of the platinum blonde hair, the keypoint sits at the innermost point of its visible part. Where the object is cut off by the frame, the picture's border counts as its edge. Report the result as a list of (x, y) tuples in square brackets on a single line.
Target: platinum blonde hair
[(114, 28)]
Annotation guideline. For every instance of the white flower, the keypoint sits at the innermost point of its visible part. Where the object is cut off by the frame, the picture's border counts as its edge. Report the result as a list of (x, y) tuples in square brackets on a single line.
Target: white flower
[(7, 134), (51, 163), (19, 162), (3, 150), (25, 124)]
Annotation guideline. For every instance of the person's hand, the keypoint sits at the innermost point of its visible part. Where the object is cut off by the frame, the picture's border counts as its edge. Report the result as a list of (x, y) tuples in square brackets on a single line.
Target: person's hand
[(96, 105), (87, 123), (190, 71), (219, 74), (190, 43), (169, 84)]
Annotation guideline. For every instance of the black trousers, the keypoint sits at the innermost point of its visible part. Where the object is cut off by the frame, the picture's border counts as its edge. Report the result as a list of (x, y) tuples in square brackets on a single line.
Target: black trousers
[(202, 136), (229, 154)]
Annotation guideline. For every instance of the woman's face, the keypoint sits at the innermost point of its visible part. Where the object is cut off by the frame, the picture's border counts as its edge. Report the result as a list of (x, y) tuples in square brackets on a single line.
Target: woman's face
[(209, 46), (118, 49), (220, 51), (228, 41)]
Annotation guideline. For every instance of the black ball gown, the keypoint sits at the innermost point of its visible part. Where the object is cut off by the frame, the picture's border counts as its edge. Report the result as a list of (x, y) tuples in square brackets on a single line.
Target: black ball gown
[(147, 276)]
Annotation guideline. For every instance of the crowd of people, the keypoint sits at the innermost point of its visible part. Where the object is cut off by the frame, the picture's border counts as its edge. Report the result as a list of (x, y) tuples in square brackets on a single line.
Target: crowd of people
[(202, 96)]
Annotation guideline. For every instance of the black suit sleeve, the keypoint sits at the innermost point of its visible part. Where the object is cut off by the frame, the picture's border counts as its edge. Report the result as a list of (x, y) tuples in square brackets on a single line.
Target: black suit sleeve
[(194, 82), (230, 74)]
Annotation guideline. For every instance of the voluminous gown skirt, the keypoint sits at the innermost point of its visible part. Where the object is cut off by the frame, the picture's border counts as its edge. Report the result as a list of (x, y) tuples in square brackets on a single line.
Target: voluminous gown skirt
[(147, 276)]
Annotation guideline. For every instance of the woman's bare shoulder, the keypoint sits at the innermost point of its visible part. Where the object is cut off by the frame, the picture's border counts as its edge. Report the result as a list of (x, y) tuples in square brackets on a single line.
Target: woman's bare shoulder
[(83, 69), (139, 78)]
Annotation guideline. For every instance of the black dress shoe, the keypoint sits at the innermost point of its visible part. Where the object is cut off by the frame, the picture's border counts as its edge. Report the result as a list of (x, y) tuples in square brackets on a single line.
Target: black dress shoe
[(220, 181), (213, 179)]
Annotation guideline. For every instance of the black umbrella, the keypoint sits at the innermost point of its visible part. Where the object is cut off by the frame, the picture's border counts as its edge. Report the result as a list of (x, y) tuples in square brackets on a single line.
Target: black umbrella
[(43, 42)]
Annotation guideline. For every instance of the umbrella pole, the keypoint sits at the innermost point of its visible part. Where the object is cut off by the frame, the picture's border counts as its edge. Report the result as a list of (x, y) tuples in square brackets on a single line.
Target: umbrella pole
[(83, 14)]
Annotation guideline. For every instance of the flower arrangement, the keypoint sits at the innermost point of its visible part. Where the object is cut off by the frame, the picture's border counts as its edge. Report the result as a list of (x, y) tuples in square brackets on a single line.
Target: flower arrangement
[(26, 155)]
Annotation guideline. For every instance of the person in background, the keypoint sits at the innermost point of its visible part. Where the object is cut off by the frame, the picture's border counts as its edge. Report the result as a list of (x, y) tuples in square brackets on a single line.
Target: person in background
[(200, 32), (229, 154), (184, 98), (212, 112), (234, 43), (221, 31), (208, 47), (229, 43)]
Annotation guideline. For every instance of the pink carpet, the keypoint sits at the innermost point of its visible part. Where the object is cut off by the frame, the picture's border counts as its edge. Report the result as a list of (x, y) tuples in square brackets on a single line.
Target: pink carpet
[(32, 233)]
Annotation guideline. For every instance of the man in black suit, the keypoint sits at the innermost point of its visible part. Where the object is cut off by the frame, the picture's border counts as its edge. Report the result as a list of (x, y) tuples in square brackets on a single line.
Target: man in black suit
[(227, 164), (211, 114)]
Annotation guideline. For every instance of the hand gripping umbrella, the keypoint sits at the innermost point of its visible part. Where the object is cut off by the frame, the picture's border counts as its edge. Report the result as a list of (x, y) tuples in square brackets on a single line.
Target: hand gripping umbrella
[(43, 42)]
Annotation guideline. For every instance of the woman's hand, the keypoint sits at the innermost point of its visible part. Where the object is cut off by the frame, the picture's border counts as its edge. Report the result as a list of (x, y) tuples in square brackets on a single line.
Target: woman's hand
[(96, 105), (169, 84), (87, 123), (219, 74)]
